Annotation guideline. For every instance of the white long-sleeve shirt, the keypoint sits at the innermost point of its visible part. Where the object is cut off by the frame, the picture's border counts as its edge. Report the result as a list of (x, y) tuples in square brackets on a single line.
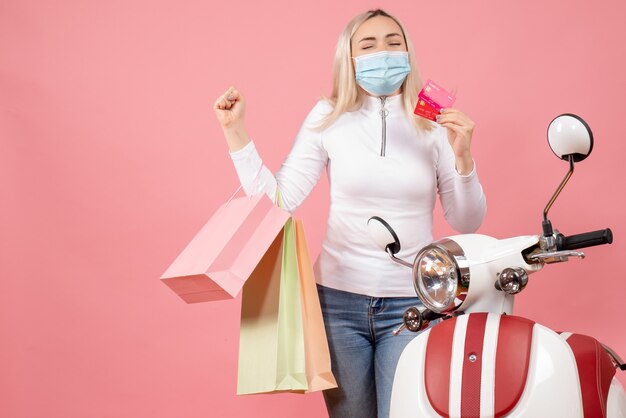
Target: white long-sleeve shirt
[(400, 187)]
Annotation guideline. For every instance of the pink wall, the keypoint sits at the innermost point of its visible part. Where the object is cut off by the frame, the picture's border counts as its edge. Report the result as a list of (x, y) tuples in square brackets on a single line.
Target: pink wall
[(111, 160)]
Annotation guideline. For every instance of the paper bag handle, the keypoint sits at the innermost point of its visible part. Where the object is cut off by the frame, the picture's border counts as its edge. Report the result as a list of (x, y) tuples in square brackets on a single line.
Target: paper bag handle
[(278, 201)]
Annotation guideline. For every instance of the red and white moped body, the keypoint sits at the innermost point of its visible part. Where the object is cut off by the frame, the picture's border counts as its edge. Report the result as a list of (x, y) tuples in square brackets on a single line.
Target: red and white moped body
[(480, 361), (487, 363)]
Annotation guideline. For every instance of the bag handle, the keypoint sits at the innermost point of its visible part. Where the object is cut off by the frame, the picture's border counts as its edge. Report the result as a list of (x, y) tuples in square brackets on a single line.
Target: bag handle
[(277, 201), (255, 178)]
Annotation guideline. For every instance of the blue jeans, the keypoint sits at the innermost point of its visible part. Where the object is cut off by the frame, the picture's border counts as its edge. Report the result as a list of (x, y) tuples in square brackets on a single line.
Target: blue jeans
[(363, 351)]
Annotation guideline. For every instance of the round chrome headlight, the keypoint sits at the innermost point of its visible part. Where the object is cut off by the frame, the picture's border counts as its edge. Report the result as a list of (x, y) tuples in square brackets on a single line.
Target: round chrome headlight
[(441, 276)]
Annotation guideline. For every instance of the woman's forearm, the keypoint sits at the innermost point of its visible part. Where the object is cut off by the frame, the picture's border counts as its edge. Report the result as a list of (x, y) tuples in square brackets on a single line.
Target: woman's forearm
[(236, 136)]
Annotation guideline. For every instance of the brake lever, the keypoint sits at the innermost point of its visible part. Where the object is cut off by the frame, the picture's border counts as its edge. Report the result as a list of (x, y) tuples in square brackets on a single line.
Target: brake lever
[(556, 256)]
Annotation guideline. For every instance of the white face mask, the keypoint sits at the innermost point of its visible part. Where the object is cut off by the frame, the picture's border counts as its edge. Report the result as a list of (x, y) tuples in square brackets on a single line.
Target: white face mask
[(382, 73)]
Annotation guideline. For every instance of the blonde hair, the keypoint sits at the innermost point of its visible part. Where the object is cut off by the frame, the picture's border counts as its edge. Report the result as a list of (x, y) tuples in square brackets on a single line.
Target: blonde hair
[(347, 97)]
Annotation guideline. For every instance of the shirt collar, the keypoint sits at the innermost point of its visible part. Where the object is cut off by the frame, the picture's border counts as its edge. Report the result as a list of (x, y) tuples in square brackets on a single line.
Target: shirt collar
[(392, 103)]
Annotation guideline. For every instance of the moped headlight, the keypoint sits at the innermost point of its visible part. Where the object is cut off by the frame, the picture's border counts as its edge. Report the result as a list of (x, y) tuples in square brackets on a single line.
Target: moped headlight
[(441, 276)]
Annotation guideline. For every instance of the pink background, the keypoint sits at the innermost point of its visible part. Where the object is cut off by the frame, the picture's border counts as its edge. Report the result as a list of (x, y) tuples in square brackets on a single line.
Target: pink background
[(111, 160)]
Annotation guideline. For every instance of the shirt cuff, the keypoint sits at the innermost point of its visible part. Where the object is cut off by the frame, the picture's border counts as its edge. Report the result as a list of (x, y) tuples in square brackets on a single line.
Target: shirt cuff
[(470, 175), (244, 152)]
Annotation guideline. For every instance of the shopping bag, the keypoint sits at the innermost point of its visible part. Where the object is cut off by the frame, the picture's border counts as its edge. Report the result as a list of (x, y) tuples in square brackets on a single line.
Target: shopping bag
[(317, 355), (271, 340), (223, 254)]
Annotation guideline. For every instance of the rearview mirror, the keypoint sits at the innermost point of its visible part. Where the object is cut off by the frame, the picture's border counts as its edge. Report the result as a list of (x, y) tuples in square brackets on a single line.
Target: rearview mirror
[(569, 135)]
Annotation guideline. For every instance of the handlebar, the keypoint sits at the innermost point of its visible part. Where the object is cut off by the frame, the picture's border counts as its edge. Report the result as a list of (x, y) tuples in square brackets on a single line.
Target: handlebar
[(584, 240)]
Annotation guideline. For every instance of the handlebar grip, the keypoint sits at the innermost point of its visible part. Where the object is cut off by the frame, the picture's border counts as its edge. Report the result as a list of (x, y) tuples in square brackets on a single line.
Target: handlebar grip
[(584, 240)]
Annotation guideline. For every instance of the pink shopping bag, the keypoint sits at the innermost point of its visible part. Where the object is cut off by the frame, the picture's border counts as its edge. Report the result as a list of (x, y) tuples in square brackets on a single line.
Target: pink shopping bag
[(224, 253)]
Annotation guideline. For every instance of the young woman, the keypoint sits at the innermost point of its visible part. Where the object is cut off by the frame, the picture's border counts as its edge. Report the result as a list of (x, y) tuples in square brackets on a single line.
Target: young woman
[(381, 160)]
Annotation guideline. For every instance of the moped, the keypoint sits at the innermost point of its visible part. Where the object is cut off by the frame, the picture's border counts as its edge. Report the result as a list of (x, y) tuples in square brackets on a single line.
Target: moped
[(479, 360)]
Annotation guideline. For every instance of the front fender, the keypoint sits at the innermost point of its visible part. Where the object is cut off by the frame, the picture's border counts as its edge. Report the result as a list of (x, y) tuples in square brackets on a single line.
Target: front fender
[(436, 376)]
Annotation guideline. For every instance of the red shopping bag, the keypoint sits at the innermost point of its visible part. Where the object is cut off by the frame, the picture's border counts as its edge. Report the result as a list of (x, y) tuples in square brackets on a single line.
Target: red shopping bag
[(224, 253)]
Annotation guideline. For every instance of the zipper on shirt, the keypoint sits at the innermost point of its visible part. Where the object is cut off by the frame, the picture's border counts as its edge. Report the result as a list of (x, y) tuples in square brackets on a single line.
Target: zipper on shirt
[(383, 116)]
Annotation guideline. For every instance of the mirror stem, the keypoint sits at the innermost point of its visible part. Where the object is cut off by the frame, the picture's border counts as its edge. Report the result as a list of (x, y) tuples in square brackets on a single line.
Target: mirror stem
[(558, 190), (397, 260)]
